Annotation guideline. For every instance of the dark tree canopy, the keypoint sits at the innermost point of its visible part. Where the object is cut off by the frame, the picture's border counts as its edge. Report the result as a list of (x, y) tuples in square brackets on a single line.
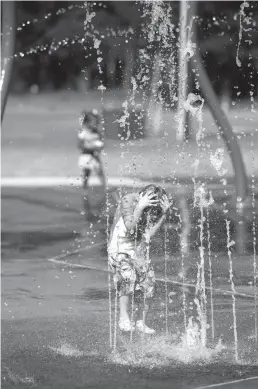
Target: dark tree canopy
[(56, 30)]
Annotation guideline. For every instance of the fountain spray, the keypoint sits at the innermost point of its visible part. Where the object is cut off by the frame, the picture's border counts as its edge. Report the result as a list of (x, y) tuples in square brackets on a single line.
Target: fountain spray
[(230, 243)]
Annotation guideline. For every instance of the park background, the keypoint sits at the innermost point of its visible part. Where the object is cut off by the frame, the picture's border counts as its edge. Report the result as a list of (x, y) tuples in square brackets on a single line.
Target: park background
[(63, 65), (55, 294)]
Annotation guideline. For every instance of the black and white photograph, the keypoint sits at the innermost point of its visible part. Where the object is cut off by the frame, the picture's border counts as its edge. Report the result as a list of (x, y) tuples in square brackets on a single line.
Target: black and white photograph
[(129, 194)]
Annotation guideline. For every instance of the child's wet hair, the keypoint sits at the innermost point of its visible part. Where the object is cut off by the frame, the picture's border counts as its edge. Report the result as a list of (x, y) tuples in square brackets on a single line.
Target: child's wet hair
[(154, 212), (87, 116), (150, 214), (154, 189)]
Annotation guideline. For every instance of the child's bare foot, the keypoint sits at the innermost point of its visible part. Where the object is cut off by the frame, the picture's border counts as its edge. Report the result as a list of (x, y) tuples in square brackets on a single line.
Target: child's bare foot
[(141, 327), (126, 325)]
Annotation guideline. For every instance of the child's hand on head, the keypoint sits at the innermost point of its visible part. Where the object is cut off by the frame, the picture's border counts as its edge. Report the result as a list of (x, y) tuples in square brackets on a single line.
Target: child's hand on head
[(165, 204), (148, 200)]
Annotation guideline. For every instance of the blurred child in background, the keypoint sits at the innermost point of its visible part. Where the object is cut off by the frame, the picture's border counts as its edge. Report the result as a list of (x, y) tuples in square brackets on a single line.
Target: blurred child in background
[(90, 144)]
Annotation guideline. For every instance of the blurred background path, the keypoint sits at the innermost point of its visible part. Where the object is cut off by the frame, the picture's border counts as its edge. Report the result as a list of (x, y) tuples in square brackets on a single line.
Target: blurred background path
[(39, 139)]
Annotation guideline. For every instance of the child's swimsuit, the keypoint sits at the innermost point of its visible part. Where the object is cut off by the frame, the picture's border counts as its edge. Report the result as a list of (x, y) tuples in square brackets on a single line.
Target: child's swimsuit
[(90, 157), (129, 253)]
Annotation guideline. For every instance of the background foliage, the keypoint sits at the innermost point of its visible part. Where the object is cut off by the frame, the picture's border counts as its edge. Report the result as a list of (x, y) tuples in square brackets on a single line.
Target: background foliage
[(61, 60)]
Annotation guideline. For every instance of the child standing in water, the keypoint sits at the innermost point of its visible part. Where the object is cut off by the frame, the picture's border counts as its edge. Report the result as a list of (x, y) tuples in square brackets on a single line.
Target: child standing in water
[(138, 217), (90, 145)]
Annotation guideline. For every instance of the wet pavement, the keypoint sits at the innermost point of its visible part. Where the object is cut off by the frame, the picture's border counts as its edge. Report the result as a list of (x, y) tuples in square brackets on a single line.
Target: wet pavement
[(55, 334), (55, 318)]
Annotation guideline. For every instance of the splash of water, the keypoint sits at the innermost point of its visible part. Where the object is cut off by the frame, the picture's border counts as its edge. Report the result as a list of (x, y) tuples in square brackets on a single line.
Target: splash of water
[(192, 341), (109, 270), (155, 107), (159, 32), (56, 45), (67, 350), (17, 379), (148, 262), (201, 201), (184, 246), (210, 272), (182, 272), (254, 247), (194, 105), (252, 86), (183, 287), (165, 277), (186, 226), (200, 299), (60, 11), (182, 88), (192, 336), (187, 50), (107, 221), (230, 243), (168, 350), (242, 16), (133, 294), (217, 160), (50, 48)]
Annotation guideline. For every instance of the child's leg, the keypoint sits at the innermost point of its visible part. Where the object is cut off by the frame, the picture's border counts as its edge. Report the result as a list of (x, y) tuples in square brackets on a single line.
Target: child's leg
[(124, 279), (142, 307), (145, 309), (124, 308), (102, 173), (86, 204), (126, 322), (146, 287), (142, 317), (99, 169), (85, 177)]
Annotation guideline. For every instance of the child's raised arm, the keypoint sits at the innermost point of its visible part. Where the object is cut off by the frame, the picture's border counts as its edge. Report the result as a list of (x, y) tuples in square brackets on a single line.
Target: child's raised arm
[(132, 209), (165, 205), (131, 212)]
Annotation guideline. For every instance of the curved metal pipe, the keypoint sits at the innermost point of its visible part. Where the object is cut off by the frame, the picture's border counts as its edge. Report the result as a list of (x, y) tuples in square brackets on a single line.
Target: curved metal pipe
[(226, 131), (224, 126), (8, 47)]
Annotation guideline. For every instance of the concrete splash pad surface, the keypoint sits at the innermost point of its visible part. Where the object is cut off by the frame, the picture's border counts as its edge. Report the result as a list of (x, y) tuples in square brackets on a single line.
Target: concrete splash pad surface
[(56, 330)]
